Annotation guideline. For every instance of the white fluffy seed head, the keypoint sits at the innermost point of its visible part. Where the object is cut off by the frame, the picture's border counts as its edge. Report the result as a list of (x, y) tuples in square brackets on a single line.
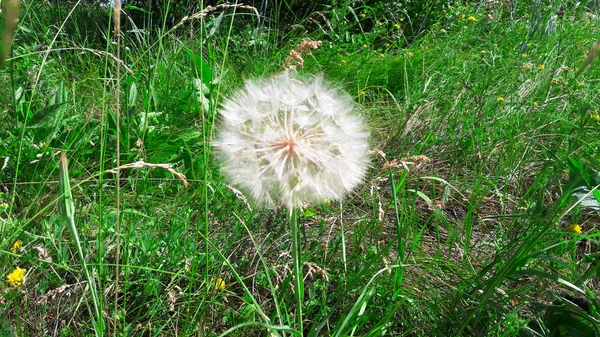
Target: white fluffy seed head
[(292, 141)]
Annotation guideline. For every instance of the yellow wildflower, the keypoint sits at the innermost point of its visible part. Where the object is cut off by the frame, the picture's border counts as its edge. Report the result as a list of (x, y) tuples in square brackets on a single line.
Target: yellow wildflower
[(535, 104), (361, 93), (500, 99), (344, 61), (523, 55), (574, 228), (442, 30), (541, 67), (472, 18), (461, 17), (364, 46), (397, 26), (327, 202), (525, 67), (596, 117), (362, 15), (410, 54), (218, 284), (16, 278), (580, 84), (382, 55), (484, 51), (16, 246)]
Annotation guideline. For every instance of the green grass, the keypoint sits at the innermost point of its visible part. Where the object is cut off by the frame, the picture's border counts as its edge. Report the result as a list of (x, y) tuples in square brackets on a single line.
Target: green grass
[(466, 234)]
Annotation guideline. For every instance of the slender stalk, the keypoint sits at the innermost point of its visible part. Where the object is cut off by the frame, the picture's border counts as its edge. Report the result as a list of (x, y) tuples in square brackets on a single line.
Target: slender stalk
[(343, 240), (298, 274), (117, 30)]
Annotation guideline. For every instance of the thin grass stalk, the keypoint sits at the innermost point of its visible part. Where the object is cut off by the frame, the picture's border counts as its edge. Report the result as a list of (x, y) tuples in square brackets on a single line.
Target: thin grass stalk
[(264, 263), (399, 231), (298, 275), (117, 29), (343, 235), (67, 209)]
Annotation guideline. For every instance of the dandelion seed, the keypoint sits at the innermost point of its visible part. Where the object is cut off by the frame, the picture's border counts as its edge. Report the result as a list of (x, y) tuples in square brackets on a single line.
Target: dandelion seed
[(292, 141), (16, 246), (500, 99), (574, 228), (16, 278), (541, 67)]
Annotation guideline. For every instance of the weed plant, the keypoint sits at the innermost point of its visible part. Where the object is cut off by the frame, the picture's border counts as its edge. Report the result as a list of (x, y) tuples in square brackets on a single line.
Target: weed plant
[(479, 214)]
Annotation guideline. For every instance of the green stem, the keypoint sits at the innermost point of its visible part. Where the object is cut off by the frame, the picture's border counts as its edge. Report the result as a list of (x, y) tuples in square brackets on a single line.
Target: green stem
[(298, 274)]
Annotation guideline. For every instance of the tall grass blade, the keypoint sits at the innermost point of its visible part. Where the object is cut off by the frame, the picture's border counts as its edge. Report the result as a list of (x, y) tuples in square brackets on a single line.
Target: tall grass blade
[(67, 210)]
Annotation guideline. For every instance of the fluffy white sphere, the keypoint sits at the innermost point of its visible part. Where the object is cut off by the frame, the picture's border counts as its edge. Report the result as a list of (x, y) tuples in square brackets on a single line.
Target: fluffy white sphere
[(292, 141)]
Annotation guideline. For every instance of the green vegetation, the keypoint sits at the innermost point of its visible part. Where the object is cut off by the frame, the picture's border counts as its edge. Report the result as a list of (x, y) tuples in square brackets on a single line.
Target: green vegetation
[(479, 215)]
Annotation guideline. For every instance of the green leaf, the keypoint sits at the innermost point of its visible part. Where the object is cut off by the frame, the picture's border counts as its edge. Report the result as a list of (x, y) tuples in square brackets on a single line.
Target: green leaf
[(200, 68)]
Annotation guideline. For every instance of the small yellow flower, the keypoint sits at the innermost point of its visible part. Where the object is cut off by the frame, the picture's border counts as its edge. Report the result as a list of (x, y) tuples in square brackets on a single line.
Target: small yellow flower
[(596, 117), (472, 18), (16, 278), (500, 99), (525, 67), (364, 46), (344, 61), (484, 52), (580, 84), (382, 55), (361, 93), (218, 284), (574, 228), (16, 246), (442, 30), (523, 55), (410, 54), (541, 67), (327, 202), (362, 15), (529, 44), (536, 104), (397, 26), (461, 17)]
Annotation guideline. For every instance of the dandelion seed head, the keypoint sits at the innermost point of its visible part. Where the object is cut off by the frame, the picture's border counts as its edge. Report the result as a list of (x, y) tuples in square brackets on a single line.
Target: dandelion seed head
[(292, 141)]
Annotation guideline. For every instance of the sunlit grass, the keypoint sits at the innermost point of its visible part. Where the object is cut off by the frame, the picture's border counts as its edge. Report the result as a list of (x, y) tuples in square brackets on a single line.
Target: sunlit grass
[(482, 123)]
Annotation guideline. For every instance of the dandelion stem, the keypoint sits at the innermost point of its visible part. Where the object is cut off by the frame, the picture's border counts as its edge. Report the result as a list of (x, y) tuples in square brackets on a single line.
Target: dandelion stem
[(298, 275)]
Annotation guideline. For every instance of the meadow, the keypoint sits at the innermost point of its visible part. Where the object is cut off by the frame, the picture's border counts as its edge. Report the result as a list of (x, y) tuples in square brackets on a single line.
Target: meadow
[(477, 213)]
